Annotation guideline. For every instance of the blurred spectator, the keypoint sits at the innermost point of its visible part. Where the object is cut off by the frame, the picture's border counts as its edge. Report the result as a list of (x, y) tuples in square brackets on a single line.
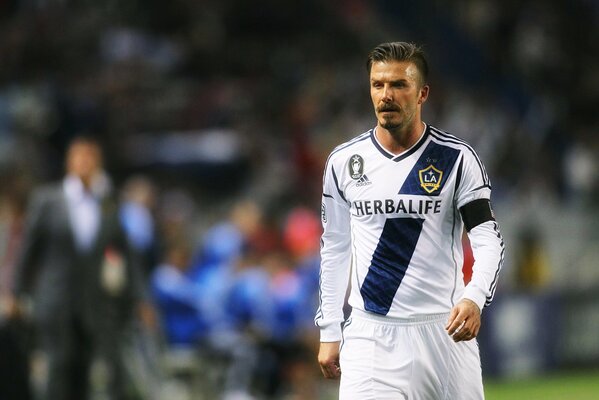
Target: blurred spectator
[(301, 235), (215, 102), (580, 172), (77, 266), (269, 302), (15, 338), (137, 216), (532, 263), (179, 298), (194, 319), (225, 242), (13, 200)]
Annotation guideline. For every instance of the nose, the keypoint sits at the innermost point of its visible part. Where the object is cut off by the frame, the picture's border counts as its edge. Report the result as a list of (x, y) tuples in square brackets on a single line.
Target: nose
[(387, 94)]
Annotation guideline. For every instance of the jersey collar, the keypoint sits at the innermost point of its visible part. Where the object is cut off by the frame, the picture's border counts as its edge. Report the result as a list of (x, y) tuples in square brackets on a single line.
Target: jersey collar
[(406, 153)]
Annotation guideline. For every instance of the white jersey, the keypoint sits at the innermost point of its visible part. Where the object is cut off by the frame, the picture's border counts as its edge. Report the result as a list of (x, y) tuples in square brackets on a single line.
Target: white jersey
[(393, 229)]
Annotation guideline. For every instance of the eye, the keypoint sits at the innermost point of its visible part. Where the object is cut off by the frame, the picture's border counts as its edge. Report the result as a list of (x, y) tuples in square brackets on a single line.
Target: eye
[(377, 85)]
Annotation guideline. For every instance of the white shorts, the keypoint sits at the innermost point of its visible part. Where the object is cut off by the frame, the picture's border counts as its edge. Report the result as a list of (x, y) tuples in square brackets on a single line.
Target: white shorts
[(389, 358)]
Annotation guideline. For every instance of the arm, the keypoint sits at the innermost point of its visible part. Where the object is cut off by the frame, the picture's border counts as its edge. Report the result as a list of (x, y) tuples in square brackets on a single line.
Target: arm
[(31, 247), (334, 272), (472, 196), (487, 247), (328, 358)]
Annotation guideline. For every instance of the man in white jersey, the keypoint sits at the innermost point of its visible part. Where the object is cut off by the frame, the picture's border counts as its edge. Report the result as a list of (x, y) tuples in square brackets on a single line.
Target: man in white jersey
[(395, 202)]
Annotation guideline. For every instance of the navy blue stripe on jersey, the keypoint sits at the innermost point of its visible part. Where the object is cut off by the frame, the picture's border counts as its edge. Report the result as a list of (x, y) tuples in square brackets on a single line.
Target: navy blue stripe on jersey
[(444, 136), (414, 148), (389, 263), (328, 195), (447, 138), (380, 148), (493, 285), (337, 184), (457, 140), (402, 156), (429, 174)]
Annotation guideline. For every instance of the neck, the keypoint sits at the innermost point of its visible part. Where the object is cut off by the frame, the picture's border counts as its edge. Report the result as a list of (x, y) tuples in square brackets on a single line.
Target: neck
[(399, 140), (86, 181)]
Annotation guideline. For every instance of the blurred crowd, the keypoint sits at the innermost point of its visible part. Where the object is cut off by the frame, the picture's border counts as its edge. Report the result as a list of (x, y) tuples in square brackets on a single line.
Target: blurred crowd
[(233, 96), (216, 118)]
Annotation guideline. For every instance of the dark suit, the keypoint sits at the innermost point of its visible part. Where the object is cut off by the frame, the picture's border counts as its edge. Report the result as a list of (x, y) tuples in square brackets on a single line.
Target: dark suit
[(77, 318)]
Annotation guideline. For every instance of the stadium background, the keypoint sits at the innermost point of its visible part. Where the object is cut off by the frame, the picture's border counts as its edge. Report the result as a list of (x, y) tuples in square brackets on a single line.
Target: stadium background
[(215, 106)]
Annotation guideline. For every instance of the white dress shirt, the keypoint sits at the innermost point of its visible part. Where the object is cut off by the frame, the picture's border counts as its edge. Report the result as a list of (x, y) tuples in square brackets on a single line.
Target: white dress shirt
[(84, 212)]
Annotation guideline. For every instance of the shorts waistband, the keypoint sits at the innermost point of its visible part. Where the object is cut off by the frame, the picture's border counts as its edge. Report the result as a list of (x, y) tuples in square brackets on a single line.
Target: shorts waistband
[(383, 319)]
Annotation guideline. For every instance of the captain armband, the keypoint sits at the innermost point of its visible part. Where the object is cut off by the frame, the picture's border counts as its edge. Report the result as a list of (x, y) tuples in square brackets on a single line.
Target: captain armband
[(476, 212)]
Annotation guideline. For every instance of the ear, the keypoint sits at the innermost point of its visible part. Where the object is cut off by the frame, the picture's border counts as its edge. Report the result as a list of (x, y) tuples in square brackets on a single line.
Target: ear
[(423, 94)]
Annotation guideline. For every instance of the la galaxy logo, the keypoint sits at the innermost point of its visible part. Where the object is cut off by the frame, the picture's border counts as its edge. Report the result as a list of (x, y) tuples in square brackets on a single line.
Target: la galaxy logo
[(356, 166), (430, 178)]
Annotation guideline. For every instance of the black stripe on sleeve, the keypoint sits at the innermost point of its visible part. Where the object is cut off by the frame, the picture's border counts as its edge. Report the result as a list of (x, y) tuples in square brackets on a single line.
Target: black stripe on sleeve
[(476, 212), (458, 178), (337, 184)]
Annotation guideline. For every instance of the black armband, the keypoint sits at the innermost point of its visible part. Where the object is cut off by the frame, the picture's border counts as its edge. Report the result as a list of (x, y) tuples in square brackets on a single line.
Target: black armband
[(476, 212)]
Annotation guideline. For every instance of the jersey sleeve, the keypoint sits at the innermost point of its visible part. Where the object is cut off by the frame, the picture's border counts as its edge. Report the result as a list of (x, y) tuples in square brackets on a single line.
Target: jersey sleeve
[(473, 181), (335, 257), (485, 238), (488, 251)]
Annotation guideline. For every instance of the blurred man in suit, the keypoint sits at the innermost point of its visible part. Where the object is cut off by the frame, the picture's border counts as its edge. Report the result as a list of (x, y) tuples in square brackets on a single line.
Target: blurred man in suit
[(78, 269)]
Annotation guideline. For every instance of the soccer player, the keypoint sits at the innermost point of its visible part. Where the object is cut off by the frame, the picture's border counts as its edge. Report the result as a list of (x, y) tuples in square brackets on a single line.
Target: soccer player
[(395, 202)]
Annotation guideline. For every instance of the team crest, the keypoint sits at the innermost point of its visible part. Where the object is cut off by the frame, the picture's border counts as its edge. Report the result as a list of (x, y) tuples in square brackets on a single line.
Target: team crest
[(430, 178), (356, 166)]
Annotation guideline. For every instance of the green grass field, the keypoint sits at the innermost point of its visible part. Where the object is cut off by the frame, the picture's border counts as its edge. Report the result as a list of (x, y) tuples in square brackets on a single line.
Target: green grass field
[(570, 386)]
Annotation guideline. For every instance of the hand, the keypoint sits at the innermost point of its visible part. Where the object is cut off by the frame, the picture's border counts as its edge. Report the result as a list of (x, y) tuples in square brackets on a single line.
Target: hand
[(464, 321), (147, 315), (11, 307), (328, 358)]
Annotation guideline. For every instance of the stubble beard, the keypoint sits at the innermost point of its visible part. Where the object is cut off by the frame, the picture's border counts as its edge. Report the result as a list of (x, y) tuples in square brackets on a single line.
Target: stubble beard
[(394, 126), (390, 125), (398, 126)]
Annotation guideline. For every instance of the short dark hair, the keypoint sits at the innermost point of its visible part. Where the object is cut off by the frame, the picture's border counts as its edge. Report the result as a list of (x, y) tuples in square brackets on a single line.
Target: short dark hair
[(400, 51)]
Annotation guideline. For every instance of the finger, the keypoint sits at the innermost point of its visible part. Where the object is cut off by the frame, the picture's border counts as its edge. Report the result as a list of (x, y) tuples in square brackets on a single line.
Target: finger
[(330, 371), (325, 371), (467, 337), (462, 334), (468, 331), (452, 315), (336, 371), (457, 324)]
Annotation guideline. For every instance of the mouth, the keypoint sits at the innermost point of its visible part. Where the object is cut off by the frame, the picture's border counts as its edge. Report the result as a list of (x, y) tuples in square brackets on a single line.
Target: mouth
[(388, 109), (387, 113)]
